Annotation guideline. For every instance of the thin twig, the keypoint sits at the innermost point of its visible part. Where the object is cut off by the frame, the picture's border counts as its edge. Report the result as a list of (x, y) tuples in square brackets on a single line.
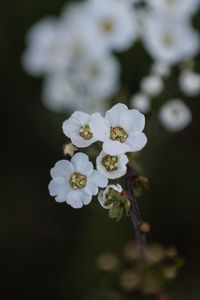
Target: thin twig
[(134, 213)]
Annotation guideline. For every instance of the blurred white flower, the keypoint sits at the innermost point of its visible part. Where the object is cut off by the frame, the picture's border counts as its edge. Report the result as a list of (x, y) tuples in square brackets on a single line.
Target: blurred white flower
[(176, 8), (104, 195), (161, 69), (82, 39), (169, 40), (47, 47), (59, 94), (141, 102), (140, 16), (83, 84), (152, 85), (112, 166), (75, 182), (99, 76), (120, 130), (113, 23), (78, 130), (175, 115), (189, 83)]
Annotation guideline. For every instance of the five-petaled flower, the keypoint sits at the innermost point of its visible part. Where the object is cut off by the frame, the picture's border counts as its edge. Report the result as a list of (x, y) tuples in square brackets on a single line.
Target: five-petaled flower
[(78, 130), (75, 182), (112, 166), (120, 130)]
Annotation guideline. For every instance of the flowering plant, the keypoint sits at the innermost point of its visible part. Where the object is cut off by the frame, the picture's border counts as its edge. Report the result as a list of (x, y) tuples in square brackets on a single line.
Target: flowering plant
[(80, 56)]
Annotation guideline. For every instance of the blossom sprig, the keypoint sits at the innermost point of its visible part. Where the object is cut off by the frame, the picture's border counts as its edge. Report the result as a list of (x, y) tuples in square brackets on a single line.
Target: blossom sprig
[(76, 181)]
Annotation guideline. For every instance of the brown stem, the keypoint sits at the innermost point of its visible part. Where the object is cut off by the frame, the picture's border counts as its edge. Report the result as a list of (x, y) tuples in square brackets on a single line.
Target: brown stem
[(134, 213)]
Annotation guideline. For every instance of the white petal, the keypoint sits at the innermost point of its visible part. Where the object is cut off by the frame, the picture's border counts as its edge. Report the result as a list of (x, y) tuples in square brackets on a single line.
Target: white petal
[(71, 126), (58, 190), (62, 168), (80, 142), (115, 147), (60, 180), (136, 141), (100, 127), (82, 164), (132, 120), (61, 196), (101, 199), (123, 159), (114, 114), (81, 117), (98, 179), (91, 188), (53, 188), (76, 198)]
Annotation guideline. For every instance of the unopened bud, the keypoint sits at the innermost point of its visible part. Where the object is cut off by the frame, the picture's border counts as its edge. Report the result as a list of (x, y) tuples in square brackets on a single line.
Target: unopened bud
[(155, 254), (171, 252), (170, 272), (145, 227), (69, 149), (129, 280), (131, 251), (108, 262)]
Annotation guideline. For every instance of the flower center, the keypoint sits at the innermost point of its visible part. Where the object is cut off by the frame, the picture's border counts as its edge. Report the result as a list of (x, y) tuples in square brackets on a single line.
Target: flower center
[(107, 26), (86, 132), (108, 196), (78, 181), (118, 134), (168, 40), (110, 163), (94, 71), (175, 111), (170, 2)]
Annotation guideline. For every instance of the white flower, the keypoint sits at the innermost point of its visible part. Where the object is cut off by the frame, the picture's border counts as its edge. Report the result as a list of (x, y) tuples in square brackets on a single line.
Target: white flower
[(161, 69), (113, 23), (99, 75), (59, 89), (177, 8), (141, 102), (120, 130), (169, 40), (75, 182), (103, 195), (58, 92), (77, 128), (46, 47), (112, 166), (82, 39), (175, 115), (189, 83), (152, 85)]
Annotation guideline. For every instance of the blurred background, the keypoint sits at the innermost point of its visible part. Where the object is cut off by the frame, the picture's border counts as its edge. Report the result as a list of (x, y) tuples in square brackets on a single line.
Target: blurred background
[(48, 250)]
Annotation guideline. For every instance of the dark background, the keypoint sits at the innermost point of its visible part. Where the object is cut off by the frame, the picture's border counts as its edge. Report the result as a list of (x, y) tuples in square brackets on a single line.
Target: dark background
[(47, 249)]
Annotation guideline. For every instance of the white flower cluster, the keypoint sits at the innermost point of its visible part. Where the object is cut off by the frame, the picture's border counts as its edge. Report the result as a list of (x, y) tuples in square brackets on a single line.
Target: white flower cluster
[(75, 53), (120, 131), (168, 36), (174, 114)]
